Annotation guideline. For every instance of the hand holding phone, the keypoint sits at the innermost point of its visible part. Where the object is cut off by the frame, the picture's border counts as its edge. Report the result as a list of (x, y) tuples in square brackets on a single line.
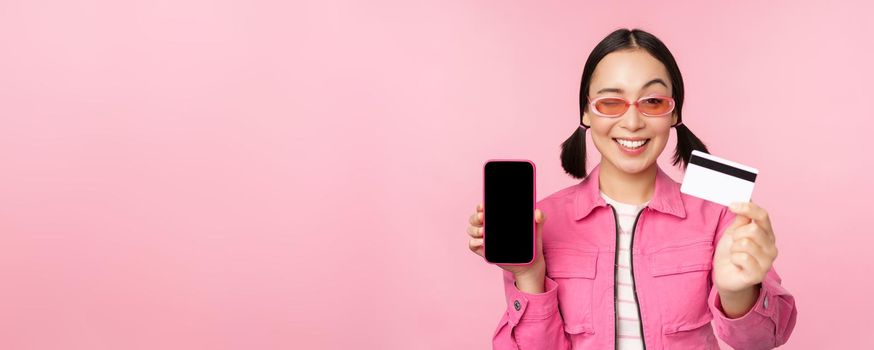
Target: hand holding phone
[(535, 270), (514, 243)]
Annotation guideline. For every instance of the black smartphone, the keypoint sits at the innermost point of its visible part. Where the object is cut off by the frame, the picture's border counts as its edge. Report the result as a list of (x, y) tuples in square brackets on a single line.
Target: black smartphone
[(508, 211)]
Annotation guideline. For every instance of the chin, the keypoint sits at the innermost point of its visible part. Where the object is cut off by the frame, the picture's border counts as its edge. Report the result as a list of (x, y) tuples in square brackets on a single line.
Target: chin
[(633, 166)]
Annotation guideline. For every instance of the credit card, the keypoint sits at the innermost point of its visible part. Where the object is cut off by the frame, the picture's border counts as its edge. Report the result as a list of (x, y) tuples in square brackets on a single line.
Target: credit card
[(718, 180)]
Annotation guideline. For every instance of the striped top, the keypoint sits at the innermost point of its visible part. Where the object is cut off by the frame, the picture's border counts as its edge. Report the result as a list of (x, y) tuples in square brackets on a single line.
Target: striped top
[(628, 333)]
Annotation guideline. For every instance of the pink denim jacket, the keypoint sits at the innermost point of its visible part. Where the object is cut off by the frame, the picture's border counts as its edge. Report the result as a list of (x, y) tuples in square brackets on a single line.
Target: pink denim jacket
[(672, 258)]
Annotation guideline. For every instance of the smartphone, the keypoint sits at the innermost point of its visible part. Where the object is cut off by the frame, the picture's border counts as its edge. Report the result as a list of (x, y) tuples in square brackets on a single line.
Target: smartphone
[(508, 211)]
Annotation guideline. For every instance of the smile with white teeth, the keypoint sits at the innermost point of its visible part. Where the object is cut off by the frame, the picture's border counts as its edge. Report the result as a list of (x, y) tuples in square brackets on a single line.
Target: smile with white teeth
[(631, 144)]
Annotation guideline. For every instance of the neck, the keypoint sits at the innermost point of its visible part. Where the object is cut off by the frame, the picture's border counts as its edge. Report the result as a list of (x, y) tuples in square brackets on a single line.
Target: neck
[(626, 187)]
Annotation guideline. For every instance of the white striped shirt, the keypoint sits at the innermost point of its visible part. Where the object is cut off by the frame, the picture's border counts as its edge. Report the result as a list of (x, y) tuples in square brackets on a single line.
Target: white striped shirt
[(628, 333)]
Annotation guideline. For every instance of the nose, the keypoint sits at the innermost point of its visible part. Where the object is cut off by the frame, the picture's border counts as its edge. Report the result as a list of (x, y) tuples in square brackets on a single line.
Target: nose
[(632, 119)]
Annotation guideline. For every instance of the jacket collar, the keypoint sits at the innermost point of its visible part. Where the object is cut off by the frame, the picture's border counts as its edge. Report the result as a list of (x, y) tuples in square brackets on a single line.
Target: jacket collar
[(666, 197)]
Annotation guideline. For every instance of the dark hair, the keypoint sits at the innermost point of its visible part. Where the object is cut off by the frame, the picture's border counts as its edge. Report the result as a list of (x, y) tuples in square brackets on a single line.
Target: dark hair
[(573, 150)]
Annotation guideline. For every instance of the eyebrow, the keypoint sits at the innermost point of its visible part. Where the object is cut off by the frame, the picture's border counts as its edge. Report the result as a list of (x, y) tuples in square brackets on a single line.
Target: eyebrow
[(617, 90)]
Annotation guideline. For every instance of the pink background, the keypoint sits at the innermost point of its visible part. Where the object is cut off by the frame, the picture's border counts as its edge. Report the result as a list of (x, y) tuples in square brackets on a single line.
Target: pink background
[(261, 175)]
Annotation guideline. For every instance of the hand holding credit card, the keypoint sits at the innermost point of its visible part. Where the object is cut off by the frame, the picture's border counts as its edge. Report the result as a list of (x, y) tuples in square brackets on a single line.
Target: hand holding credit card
[(718, 180)]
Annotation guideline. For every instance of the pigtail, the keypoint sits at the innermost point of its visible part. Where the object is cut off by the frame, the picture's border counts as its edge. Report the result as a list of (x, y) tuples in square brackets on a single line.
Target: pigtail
[(573, 153), (686, 143)]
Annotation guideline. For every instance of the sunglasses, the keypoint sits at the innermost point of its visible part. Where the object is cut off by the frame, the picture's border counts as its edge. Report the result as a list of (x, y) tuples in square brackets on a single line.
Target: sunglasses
[(650, 106)]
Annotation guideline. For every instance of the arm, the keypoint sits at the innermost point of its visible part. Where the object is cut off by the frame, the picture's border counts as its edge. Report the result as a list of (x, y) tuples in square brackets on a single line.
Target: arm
[(532, 320), (761, 319)]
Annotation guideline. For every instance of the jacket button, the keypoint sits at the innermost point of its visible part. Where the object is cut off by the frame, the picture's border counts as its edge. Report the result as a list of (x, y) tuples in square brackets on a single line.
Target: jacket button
[(517, 305), (766, 302)]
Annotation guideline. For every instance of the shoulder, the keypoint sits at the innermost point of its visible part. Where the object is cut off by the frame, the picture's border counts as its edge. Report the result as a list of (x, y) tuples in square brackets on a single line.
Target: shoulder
[(700, 207), (704, 213), (560, 198)]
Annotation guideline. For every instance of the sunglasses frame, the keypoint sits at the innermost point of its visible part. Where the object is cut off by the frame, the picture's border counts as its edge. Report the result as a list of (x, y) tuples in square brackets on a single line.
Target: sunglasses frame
[(628, 105)]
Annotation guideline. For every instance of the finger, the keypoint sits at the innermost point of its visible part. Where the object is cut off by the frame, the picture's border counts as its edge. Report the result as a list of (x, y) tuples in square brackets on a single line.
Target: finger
[(476, 219), (475, 232), (761, 217), (747, 245), (739, 220), (479, 207), (476, 245), (750, 270), (756, 234), (753, 211)]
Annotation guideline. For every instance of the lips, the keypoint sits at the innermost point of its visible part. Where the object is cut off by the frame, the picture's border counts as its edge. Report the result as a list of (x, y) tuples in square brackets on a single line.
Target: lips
[(632, 143), (631, 138)]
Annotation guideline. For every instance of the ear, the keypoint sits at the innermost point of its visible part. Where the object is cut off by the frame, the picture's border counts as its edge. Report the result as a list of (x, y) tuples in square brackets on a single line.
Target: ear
[(674, 118), (586, 120)]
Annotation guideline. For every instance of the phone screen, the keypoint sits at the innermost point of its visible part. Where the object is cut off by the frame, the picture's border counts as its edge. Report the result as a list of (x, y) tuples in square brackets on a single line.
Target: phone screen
[(508, 215)]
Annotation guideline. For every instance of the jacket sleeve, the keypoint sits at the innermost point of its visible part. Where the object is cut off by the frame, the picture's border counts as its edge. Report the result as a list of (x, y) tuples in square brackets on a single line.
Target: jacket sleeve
[(768, 324), (532, 321)]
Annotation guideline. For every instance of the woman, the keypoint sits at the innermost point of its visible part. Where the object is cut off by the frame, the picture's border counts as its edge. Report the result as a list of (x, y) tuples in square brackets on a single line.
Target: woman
[(626, 260)]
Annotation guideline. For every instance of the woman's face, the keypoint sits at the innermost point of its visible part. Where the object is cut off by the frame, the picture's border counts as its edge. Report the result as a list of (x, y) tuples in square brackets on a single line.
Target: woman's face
[(630, 74)]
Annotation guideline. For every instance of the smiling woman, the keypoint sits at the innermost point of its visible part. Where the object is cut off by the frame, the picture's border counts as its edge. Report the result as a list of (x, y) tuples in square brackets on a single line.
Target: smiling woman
[(672, 263)]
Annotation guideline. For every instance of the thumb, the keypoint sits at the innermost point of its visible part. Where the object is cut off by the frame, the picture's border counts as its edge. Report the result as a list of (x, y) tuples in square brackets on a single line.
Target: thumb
[(539, 217), (739, 220)]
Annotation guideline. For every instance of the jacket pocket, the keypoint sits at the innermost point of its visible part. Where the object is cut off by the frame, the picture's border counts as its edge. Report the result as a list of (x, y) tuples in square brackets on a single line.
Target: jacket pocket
[(691, 336), (574, 270), (683, 257), (681, 277), (688, 326)]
